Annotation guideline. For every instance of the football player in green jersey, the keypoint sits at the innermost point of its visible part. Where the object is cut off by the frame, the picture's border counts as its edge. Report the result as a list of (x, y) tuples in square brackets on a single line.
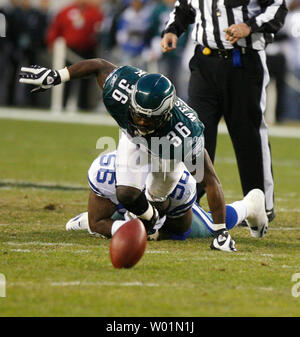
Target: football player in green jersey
[(156, 124)]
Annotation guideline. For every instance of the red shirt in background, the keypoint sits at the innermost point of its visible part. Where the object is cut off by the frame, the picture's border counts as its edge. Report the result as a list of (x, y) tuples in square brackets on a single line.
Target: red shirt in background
[(78, 25)]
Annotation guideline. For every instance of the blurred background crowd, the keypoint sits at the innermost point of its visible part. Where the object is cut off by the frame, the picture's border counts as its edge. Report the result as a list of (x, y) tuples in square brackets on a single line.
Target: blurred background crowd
[(123, 32)]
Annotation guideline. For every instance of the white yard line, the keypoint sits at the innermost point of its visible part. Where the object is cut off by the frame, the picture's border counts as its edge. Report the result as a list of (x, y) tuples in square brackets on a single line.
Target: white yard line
[(85, 284), (292, 210), (21, 250), (47, 116), (12, 183), (65, 244), (157, 252), (61, 284), (273, 130), (84, 251), (284, 228), (39, 243), (18, 250), (103, 284), (284, 163)]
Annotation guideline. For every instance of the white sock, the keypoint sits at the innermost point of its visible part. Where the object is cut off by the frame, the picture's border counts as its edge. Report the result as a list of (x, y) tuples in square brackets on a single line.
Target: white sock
[(241, 210), (85, 220), (217, 227), (89, 230)]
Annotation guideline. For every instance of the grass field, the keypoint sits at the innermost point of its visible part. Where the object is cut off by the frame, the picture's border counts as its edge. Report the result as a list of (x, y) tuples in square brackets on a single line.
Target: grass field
[(51, 272)]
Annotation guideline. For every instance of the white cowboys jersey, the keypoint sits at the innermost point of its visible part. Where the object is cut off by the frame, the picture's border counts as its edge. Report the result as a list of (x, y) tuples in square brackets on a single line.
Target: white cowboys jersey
[(102, 180)]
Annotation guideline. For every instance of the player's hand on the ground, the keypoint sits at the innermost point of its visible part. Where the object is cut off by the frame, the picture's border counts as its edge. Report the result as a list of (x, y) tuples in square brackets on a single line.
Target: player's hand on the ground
[(153, 235), (223, 241), (42, 77), (152, 226), (149, 224)]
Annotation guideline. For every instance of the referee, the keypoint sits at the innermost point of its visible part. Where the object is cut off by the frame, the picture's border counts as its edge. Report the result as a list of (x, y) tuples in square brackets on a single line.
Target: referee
[(229, 77)]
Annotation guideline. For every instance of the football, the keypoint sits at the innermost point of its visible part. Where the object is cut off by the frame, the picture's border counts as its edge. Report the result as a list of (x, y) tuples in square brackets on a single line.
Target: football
[(128, 244)]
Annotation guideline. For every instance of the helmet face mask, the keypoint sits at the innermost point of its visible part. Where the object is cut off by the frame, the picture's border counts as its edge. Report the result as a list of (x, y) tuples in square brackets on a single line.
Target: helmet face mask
[(144, 124), (152, 100)]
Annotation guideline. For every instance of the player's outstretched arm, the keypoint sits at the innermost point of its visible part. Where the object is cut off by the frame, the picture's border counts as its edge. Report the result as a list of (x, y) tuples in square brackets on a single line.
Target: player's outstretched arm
[(215, 198), (44, 78), (97, 67)]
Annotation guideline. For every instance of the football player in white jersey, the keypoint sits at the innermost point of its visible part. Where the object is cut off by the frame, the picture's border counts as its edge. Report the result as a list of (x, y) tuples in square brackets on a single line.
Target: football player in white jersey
[(183, 219)]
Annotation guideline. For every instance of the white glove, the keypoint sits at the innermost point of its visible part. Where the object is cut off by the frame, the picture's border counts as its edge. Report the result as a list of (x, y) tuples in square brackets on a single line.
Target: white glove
[(42, 77), (159, 223), (129, 216), (223, 241)]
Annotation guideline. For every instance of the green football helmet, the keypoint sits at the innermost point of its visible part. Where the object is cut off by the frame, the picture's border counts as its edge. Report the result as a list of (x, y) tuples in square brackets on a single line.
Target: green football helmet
[(151, 102)]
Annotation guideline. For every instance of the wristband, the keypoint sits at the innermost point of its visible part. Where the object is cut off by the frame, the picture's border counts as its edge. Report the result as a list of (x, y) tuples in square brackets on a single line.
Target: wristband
[(64, 74), (218, 227), (148, 214)]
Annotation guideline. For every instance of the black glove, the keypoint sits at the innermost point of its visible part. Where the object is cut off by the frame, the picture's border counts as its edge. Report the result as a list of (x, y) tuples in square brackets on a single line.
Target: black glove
[(153, 235), (42, 77), (223, 241), (149, 224)]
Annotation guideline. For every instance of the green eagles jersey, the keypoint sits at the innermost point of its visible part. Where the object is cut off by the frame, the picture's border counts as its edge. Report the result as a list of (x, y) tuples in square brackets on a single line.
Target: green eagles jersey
[(183, 132)]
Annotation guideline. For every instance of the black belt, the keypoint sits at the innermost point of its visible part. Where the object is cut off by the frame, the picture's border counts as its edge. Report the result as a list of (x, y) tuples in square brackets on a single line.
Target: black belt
[(224, 53)]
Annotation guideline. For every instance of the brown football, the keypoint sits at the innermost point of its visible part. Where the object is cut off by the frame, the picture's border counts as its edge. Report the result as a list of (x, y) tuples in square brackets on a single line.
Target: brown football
[(128, 244)]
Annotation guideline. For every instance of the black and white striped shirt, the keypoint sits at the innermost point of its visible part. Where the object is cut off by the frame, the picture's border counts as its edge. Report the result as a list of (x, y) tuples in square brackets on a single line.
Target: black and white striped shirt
[(211, 17)]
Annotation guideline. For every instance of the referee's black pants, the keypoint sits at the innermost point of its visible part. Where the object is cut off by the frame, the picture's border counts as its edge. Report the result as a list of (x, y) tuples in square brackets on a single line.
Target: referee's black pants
[(217, 89)]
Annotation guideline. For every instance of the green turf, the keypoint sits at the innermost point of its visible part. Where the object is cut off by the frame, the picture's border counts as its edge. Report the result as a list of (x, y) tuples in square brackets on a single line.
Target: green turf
[(51, 272)]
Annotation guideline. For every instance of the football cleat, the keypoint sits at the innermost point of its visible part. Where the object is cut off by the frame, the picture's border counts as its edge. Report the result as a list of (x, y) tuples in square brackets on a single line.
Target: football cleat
[(271, 214), (80, 222), (243, 224), (257, 219)]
